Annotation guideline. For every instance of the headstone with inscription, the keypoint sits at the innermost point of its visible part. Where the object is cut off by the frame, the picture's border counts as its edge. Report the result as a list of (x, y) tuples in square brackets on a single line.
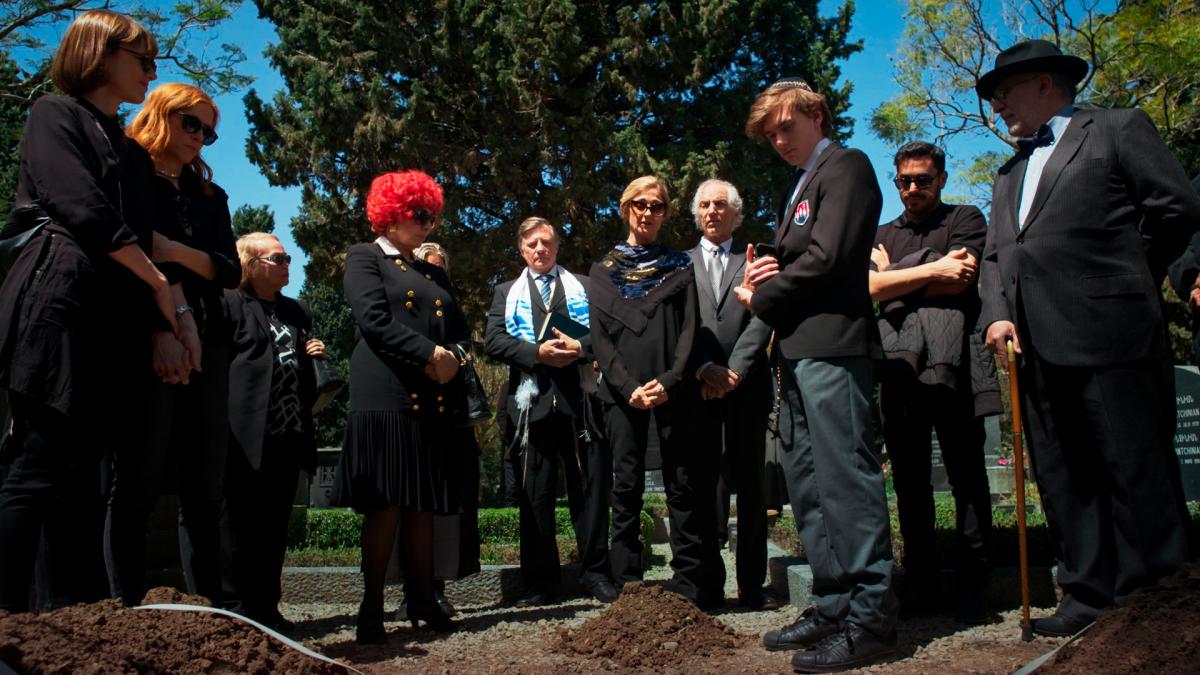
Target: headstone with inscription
[(1187, 428)]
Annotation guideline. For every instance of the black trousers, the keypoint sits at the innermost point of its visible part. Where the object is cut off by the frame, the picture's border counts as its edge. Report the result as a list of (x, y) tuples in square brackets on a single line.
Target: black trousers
[(735, 428), (911, 412), (553, 441), (689, 476), (187, 426), (1097, 456), (257, 506), (51, 488)]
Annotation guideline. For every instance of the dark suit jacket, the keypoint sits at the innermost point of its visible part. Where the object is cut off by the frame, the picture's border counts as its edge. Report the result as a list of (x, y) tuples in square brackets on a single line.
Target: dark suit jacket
[(819, 303), (1079, 268), (556, 386), (728, 334), (250, 371)]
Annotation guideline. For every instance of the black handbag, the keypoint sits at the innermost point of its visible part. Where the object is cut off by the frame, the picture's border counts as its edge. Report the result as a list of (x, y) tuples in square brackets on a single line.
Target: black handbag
[(479, 410), (329, 385), (24, 223)]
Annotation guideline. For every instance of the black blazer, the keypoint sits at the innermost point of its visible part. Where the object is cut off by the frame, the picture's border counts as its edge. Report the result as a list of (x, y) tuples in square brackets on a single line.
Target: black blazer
[(557, 387), (1079, 268), (403, 309), (820, 304), (250, 369), (637, 340), (728, 334)]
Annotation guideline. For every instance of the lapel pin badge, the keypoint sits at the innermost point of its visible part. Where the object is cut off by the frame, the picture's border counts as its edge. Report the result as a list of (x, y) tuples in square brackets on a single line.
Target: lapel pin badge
[(801, 215)]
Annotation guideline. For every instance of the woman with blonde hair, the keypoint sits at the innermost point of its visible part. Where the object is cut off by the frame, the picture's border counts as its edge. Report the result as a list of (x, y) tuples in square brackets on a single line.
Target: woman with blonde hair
[(642, 301), (272, 391), (184, 395), (75, 308)]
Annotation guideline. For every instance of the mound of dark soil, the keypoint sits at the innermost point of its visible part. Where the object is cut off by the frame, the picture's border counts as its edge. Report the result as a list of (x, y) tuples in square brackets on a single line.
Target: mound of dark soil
[(106, 637), (650, 628), (1155, 631)]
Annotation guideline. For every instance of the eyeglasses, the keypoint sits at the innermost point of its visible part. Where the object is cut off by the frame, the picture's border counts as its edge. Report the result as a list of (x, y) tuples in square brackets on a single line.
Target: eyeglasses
[(276, 258), (424, 216), (1001, 93), (149, 65), (655, 208), (191, 124), (921, 180)]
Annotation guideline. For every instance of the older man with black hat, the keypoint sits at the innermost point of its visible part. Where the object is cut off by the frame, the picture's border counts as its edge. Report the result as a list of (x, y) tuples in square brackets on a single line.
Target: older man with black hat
[(814, 294), (1088, 198)]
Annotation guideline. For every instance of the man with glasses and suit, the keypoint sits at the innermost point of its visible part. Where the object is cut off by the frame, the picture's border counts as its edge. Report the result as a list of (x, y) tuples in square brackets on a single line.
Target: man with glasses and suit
[(1090, 197), (814, 294), (731, 352), (548, 372)]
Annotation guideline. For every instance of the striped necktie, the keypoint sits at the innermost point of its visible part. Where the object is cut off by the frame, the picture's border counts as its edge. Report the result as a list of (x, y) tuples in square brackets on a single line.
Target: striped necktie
[(544, 281)]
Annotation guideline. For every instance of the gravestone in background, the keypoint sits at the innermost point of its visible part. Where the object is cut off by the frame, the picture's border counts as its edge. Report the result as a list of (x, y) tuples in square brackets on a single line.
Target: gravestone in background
[(1187, 428)]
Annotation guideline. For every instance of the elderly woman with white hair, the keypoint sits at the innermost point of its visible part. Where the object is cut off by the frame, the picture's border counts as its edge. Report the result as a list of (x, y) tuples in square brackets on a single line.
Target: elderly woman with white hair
[(272, 388)]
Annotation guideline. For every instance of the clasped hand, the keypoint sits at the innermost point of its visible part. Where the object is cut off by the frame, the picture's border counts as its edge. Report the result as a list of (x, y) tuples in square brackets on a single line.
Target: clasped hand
[(648, 395), (560, 352), (443, 365), (717, 381)]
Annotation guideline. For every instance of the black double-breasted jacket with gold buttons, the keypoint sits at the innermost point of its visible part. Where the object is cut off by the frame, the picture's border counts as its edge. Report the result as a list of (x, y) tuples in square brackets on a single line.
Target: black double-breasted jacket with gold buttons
[(402, 309)]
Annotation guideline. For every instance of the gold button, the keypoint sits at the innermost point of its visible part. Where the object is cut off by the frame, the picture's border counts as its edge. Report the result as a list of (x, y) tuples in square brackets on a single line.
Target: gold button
[(413, 396), (428, 276), (438, 302), (408, 304), (399, 262), (412, 294), (441, 408), (416, 406), (440, 397), (439, 312)]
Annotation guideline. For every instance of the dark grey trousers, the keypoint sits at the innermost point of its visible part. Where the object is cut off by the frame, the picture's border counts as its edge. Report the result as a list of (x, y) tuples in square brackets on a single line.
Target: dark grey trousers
[(836, 486)]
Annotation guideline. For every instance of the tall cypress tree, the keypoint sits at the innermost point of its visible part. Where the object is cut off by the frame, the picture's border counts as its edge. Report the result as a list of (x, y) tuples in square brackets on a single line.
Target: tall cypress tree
[(528, 107)]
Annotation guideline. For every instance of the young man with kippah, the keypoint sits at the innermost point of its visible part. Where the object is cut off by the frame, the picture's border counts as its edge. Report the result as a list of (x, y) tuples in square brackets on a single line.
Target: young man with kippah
[(814, 294)]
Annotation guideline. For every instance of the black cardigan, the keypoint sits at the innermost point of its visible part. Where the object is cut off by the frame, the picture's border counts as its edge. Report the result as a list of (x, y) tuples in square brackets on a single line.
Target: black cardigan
[(640, 339)]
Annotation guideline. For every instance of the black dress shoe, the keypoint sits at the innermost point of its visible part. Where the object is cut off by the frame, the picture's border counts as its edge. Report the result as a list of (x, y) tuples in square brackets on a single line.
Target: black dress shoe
[(604, 591), (759, 599), (273, 620), (369, 628), (1059, 625), (852, 647), (808, 630), (447, 608), (432, 615), (536, 598)]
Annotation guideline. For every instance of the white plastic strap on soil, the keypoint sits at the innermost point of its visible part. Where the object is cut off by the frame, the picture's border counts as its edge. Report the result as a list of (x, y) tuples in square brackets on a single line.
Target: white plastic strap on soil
[(1042, 660), (282, 638)]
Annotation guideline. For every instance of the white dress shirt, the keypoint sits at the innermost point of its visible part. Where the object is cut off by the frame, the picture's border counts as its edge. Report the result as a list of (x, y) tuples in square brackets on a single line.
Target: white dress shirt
[(1038, 158)]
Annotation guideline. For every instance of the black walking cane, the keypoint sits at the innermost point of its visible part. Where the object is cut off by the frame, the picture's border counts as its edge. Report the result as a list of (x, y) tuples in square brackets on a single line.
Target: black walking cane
[(1019, 468)]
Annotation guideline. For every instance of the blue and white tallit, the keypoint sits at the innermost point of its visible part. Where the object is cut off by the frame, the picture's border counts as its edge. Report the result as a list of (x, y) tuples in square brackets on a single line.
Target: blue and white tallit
[(518, 307)]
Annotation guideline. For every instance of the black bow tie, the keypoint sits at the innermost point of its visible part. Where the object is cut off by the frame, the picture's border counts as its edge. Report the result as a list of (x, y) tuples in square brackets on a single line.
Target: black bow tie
[(1043, 137)]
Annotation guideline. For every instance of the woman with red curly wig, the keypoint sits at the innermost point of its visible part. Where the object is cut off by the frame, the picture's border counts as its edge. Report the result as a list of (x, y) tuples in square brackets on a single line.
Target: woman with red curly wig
[(405, 397)]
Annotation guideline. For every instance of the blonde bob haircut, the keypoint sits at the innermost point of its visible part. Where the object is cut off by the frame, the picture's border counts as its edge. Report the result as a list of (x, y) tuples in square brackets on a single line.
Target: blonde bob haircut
[(429, 248), (152, 128), (249, 247), (801, 100), (78, 65), (640, 185)]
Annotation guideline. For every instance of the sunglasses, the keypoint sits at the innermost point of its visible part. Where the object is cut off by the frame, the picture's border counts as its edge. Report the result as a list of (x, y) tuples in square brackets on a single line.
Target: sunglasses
[(276, 258), (149, 65), (655, 208), (921, 180), (191, 124), (424, 217), (999, 94)]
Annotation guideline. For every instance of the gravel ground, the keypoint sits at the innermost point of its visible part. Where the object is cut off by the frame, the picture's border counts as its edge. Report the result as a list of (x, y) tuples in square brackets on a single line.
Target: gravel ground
[(514, 640)]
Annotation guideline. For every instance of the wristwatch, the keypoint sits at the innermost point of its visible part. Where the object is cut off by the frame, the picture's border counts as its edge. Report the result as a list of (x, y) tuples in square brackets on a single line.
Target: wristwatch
[(182, 309)]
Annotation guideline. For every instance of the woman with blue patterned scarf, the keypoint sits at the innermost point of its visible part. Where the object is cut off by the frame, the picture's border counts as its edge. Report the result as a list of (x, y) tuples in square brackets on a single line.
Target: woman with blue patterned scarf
[(644, 321)]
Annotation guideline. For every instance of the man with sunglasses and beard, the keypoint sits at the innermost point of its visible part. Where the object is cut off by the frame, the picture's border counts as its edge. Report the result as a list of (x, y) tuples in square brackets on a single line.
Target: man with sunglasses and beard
[(923, 274)]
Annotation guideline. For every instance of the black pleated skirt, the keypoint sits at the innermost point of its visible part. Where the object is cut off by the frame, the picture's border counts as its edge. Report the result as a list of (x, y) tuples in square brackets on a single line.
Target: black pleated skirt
[(398, 459)]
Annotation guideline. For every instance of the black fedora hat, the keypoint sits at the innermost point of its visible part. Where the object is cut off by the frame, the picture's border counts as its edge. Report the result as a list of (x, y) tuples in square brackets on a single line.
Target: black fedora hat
[(1030, 56)]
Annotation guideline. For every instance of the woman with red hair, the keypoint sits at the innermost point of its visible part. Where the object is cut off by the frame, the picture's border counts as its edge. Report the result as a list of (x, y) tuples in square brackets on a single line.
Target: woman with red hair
[(183, 392), (406, 398)]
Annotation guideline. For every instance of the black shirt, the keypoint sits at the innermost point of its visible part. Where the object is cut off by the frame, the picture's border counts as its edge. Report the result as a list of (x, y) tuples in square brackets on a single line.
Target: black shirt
[(949, 227)]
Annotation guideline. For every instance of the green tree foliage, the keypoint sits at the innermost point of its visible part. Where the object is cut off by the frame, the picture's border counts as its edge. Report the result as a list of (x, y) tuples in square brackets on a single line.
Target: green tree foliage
[(523, 107), (333, 325), (185, 31), (247, 219), (1141, 53)]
